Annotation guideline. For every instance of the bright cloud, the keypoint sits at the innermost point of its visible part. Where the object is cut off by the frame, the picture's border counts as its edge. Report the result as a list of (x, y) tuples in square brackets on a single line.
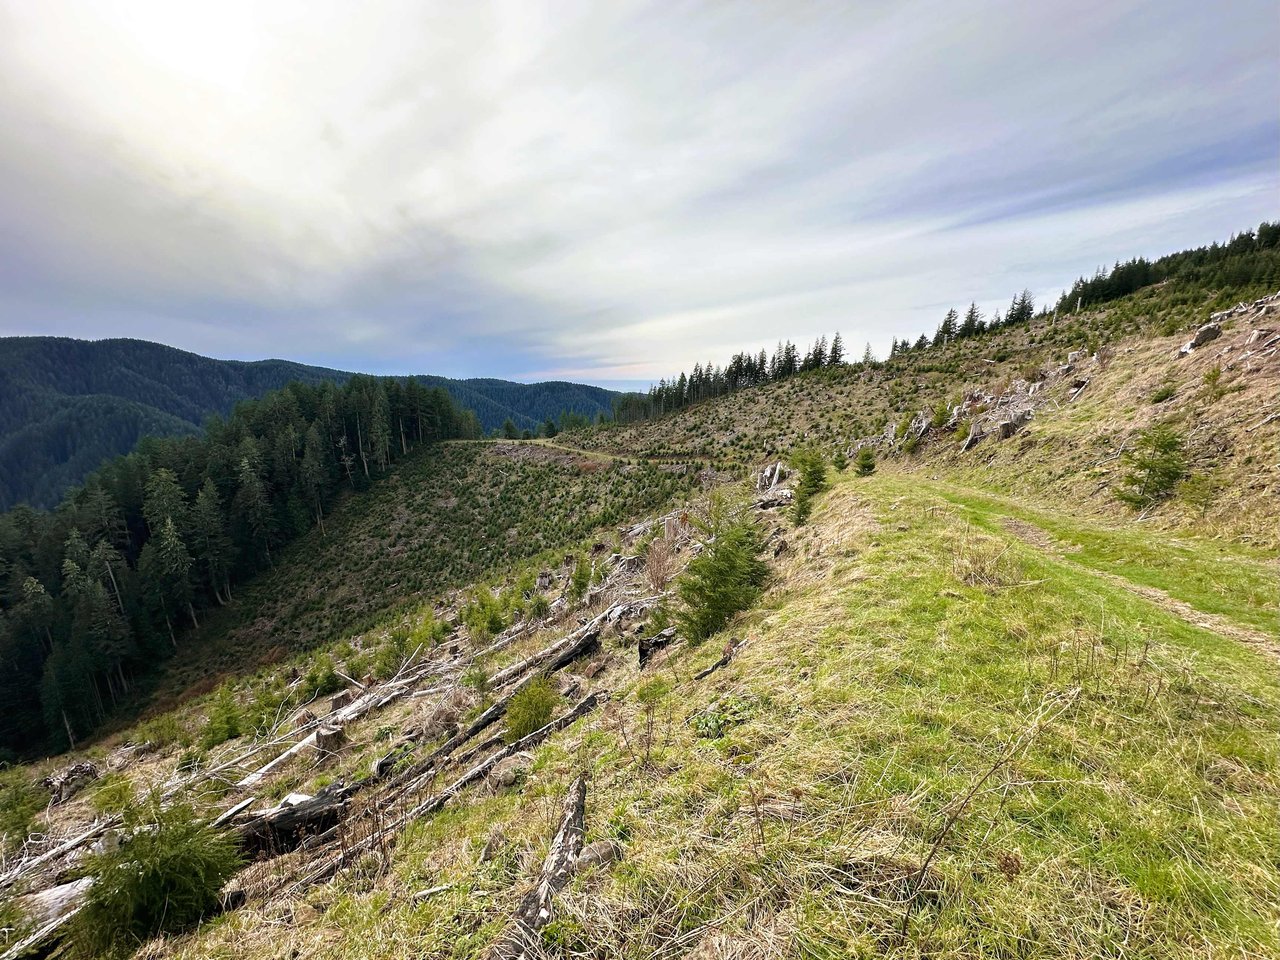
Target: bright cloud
[(604, 191)]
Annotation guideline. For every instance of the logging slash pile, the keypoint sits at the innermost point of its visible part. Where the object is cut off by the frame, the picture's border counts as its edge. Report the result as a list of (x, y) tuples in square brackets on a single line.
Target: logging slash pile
[(450, 702)]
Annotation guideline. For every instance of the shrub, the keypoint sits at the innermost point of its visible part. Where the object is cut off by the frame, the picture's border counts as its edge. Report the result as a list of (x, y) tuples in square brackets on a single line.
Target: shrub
[(484, 616), (477, 678), (391, 655), (165, 877), (429, 631), (539, 606), (224, 719), (812, 470), (322, 679), (113, 794), (163, 731), (1163, 393), (20, 800), (865, 463), (530, 709), (839, 460), (1156, 463), (1213, 382), (658, 564), (581, 579), (722, 580)]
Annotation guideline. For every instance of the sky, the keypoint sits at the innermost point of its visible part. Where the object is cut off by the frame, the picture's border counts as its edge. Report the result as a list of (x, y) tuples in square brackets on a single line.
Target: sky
[(606, 192)]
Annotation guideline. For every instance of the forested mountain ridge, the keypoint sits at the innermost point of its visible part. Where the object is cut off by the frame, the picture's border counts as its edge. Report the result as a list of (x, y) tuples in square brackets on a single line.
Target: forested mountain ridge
[(527, 405), (67, 405)]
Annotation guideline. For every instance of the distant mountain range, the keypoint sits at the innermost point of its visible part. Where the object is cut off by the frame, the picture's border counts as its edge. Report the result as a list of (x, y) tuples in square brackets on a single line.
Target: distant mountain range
[(68, 405)]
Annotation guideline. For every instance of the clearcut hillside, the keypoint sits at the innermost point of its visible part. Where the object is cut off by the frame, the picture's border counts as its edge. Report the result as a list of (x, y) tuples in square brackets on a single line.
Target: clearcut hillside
[(1008, 685)]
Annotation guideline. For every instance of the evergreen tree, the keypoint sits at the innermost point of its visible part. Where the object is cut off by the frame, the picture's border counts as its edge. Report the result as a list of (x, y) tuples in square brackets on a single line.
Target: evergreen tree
[(724, 578), (314, 472), (864, 464), (1156, 463), (947, 329), (164, 500), (212, 545), (253, 509)]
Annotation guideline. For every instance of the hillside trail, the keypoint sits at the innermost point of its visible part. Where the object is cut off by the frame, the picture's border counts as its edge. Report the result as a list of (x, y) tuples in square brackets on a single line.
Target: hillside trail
[(1043, 540)]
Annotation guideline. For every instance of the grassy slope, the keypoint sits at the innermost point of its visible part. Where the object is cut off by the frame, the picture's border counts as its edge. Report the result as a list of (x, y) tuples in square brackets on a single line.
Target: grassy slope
[(1086, 771), (1121, 766), (1067, 454), (461, 513)]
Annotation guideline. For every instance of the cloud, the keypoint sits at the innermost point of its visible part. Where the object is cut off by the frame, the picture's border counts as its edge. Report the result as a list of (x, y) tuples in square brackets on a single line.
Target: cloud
[(611, 191)]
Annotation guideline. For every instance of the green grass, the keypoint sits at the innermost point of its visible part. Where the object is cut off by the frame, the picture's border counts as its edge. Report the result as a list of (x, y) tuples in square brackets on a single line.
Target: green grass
[(1215, 576), (1136, 821), (1086, 774)]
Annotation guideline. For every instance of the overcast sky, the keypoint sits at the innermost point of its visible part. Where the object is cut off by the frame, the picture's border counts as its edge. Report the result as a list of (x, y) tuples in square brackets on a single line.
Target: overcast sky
[(604, 191)]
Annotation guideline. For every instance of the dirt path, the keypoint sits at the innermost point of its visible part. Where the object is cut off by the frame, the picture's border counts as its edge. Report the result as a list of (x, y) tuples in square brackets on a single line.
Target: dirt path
[(1030, 533)]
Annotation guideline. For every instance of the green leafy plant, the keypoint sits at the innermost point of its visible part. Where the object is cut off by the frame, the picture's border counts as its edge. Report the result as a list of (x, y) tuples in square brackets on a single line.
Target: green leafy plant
[(812, 470), (165, 877), (864, 464), (539, 606), (1156, 463), (112, 794), (531, 709), (724, 578), (723, 714), (224, 721)]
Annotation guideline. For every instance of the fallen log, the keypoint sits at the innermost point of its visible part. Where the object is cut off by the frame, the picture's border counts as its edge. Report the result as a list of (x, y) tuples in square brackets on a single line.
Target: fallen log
[(371, 699), (777, 498), (285, 827), (438, 801), (1263, 422), (730, 649), (521, 938), (67, 846), (648, 646), (54, 908)]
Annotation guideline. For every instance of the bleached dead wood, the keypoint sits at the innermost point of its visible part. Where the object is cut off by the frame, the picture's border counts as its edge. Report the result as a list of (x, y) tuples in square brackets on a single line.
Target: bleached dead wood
[(1263, 422), (433, 804), (55, 907), (374, 698), (61, 850), (521, 938)]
